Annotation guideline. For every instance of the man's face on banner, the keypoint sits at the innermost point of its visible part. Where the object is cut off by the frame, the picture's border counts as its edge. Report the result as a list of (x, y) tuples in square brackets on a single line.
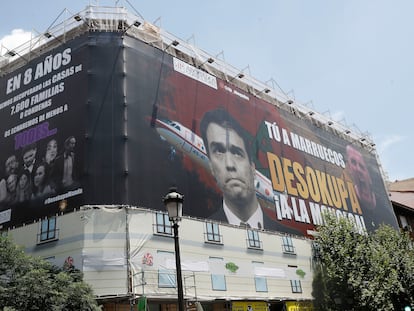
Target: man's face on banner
[(29, 157), (70, 144), (11, 183), (51, 150), (39, 176), (360, 175), (230, 163), (11, 165)]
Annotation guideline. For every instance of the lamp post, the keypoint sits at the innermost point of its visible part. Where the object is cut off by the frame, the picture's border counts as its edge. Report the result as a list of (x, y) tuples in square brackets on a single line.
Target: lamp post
[(173, 202)]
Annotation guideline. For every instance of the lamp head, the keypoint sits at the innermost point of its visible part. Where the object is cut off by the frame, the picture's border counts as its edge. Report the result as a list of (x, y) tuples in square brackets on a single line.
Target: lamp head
[(173, 202)]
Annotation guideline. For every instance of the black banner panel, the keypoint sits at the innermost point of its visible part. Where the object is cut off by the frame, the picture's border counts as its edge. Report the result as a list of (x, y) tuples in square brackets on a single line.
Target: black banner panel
[(42, 121)]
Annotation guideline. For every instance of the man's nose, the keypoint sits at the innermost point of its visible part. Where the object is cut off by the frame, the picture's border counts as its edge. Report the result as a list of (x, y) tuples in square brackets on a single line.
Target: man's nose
[(229, 160)]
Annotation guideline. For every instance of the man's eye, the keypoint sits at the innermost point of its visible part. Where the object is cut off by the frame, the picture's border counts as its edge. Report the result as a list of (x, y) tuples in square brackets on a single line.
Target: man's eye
[(237, 152), (218, 150)]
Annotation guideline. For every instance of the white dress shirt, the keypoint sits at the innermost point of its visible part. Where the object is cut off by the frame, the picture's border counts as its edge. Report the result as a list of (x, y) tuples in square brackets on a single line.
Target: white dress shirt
[(255, 221)]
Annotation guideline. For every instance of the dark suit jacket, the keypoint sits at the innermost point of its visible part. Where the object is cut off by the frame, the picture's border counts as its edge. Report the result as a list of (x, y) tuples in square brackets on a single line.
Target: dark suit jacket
[(269, 224), (58, 169)]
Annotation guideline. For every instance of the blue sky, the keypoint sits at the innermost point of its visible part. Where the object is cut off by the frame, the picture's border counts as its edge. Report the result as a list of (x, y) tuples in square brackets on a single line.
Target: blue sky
[(352, 60)]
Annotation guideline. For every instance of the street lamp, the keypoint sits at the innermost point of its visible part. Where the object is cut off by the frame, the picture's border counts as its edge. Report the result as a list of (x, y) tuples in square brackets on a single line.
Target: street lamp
[(173, 202)]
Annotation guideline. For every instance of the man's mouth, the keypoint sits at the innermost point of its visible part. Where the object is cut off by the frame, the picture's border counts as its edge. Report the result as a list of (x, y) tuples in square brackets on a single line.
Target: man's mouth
[(363, 189), (234, 180)]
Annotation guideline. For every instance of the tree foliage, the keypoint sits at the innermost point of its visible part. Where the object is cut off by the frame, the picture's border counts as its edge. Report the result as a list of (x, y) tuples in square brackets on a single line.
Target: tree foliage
[(30, 283), (356, 271)]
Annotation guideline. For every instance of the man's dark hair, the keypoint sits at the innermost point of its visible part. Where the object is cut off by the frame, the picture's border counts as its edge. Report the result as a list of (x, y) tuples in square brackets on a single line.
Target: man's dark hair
[(221, 117)]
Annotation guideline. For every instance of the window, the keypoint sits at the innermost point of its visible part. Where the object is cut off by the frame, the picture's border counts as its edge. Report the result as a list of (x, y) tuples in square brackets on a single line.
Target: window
[(296, 286), (404, 223), (259, 280), (218, 280), (316, 251), (163, 224), (253, 239), (48, 231), (288, 245), (213, 233), (166, 277)]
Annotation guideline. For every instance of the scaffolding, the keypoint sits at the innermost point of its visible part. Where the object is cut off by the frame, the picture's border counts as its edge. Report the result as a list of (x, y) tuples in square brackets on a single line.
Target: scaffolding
[(118, 19)]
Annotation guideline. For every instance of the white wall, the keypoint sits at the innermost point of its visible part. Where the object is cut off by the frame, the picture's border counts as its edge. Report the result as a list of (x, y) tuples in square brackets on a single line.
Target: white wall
[(97, 240)]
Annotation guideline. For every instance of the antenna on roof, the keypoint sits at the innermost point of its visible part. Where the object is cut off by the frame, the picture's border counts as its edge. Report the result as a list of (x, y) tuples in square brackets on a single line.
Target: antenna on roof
[(157, 21), (309, 104), (135, 9), (222, 56), (53, 23), (191, 38), (291, 92), (273, 84), (129, 3)]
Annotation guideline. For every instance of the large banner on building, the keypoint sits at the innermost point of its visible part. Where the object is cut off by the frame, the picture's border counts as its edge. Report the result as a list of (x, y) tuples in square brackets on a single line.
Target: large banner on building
[(239, 159), (109, 119), (41, 136)]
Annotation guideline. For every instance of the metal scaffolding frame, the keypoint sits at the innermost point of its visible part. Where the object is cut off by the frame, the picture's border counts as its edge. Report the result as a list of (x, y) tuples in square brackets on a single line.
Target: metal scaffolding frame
[(118, 19)]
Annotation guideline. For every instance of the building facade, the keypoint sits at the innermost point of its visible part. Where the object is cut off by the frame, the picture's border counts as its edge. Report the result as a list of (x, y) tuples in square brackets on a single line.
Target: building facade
[(402, 199), (103, 113), (127, 254)]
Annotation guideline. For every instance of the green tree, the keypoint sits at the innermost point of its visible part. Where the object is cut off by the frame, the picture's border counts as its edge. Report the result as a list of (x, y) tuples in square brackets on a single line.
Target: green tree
[(30, 283), (356, 271)]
